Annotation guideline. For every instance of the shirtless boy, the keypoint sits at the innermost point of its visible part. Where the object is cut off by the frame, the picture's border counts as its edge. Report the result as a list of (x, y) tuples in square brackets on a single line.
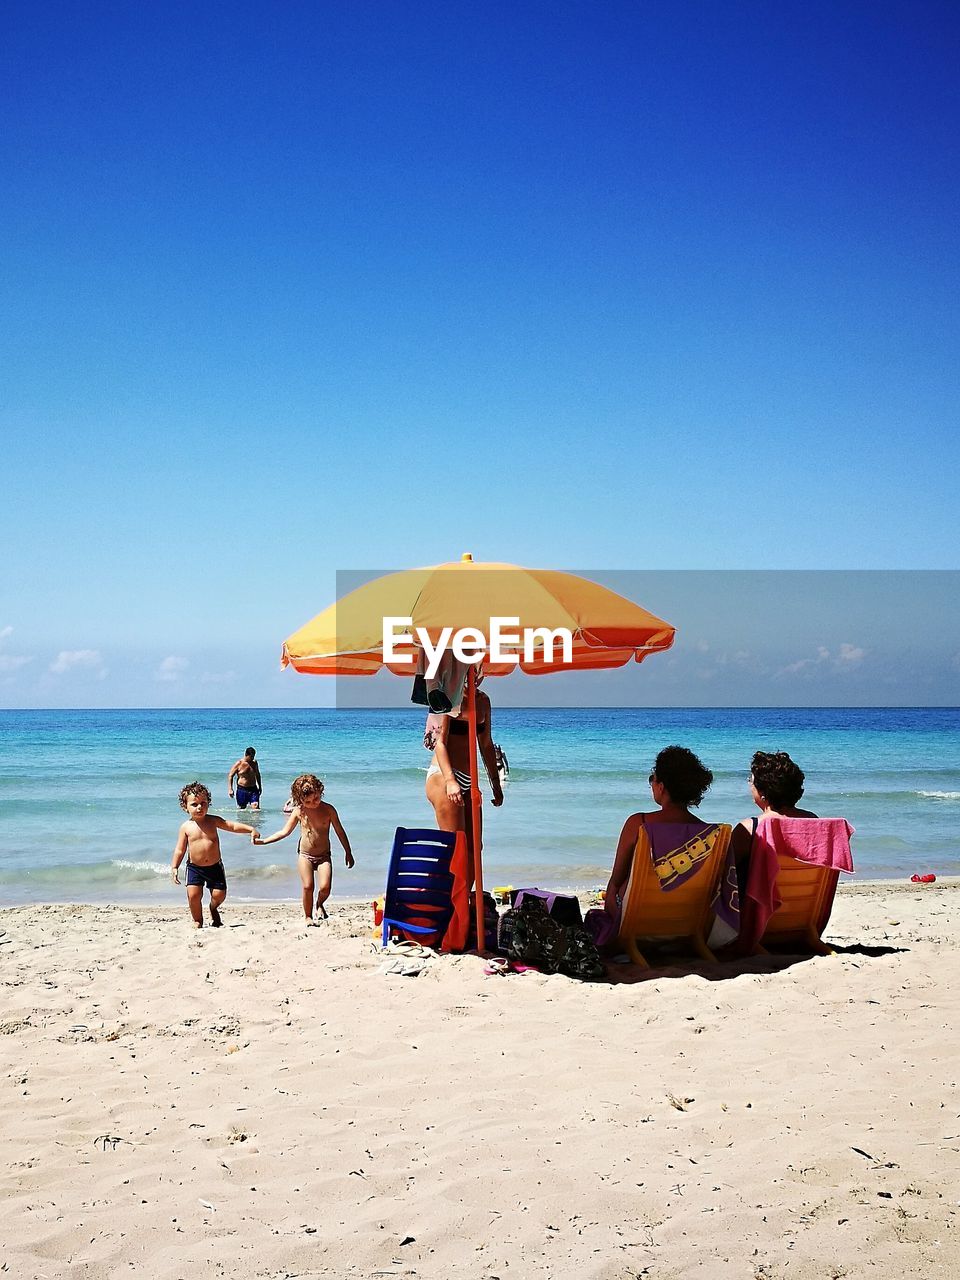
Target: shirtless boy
[(315, 818), (249, 786), (199, 840)]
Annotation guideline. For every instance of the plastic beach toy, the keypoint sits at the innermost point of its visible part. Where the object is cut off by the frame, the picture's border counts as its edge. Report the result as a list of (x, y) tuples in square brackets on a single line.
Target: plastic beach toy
[(929, 878)]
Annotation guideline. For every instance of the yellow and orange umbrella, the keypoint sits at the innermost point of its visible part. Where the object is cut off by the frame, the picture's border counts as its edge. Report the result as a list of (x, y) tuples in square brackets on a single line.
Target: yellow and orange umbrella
[(606, 630)]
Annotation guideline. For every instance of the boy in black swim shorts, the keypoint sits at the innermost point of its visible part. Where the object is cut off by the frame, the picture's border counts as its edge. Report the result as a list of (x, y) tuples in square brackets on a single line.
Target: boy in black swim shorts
[(199, 840)]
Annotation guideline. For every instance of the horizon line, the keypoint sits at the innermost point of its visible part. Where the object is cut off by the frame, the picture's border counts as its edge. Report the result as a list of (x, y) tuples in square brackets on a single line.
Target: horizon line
[(886, 706)]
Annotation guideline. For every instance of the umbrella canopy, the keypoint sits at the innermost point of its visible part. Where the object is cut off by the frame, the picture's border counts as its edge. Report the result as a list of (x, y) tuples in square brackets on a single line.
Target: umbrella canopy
[(606, 630)]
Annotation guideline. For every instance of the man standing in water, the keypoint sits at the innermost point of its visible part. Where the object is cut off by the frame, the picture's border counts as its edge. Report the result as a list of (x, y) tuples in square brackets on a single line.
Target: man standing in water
[(247, 773)]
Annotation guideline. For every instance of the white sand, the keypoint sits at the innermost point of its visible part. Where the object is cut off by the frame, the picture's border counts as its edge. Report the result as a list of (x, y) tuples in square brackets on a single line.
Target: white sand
[(259, 1101)]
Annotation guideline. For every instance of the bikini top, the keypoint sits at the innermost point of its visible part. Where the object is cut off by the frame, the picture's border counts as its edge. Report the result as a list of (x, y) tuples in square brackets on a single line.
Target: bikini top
[(459, 726)]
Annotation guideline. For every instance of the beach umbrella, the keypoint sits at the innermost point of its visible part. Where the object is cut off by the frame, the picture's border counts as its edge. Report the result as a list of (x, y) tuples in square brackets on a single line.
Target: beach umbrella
[(555, 621)]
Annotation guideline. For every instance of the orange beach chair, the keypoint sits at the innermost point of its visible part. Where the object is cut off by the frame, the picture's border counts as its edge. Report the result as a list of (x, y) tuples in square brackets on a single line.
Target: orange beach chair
[(655, 908), (806, 900), (802, 891)]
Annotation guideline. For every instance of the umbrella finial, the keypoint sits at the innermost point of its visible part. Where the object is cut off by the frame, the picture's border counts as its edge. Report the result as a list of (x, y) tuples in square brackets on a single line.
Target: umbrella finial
[(467, 556)]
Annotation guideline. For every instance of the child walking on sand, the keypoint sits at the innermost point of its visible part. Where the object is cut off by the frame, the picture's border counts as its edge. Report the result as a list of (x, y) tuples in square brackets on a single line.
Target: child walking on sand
[(199, 840), (315, 818)]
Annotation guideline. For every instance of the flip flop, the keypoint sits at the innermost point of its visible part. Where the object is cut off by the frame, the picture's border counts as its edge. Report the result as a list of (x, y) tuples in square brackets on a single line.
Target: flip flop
[(929, 878)]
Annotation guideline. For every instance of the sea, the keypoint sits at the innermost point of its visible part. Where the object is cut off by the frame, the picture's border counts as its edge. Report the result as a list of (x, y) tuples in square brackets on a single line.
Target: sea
[(89, 808)]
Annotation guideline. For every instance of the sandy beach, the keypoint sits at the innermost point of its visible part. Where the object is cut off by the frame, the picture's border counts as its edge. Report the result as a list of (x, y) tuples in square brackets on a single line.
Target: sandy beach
[(261, 1101)]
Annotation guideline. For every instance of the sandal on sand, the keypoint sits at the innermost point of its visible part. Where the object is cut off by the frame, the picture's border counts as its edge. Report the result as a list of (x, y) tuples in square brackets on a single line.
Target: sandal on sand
[(409, 959), (929, 878)]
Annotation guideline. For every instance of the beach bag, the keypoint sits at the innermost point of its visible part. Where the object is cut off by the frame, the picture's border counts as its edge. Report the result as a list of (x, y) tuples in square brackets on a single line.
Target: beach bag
[(563, 907), (535, 937), (505, 932), (581, 958), (532, 934)]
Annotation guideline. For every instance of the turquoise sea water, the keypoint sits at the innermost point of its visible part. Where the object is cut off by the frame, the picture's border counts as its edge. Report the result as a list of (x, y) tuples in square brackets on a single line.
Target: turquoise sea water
[(89, 806)]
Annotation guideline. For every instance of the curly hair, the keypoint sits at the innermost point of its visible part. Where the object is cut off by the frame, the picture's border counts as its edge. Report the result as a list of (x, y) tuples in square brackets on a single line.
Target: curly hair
[(195, 789), (777, 778), (686, 778), (306, 783)]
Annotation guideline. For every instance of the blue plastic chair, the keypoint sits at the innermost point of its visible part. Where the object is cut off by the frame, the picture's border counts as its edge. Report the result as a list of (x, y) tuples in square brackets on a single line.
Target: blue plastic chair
[(422, 881)]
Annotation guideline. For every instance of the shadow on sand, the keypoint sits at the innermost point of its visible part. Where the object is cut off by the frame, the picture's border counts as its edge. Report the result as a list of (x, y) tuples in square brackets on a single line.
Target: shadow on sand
[(724, 970)]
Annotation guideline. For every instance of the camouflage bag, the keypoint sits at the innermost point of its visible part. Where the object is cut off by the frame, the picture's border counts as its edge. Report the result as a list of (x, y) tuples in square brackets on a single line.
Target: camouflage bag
[(581, 958), (535, 937)]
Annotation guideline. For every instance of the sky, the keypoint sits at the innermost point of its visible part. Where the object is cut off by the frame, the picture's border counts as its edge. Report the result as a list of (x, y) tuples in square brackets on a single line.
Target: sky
[(293, 289)]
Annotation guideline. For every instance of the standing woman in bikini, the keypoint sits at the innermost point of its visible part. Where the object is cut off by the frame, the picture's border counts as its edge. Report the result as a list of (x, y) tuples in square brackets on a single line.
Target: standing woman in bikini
[(448, 777)]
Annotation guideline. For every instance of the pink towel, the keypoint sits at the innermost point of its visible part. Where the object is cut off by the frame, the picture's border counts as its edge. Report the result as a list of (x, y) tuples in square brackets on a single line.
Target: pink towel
[(825, 842)]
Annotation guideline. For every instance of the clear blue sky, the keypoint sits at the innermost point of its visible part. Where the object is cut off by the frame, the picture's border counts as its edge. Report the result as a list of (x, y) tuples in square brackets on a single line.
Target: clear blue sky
[(294, 288)]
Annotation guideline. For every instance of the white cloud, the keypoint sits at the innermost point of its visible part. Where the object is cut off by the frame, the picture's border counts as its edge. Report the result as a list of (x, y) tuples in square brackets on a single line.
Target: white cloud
[(851, 653), (5, 631), (794, 667), (846, 657), (74, 659), (170, 669)]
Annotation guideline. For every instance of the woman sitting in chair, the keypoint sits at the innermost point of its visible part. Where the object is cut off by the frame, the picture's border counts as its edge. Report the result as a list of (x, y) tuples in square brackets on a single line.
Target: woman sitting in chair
[(679, 780), (776, 784)]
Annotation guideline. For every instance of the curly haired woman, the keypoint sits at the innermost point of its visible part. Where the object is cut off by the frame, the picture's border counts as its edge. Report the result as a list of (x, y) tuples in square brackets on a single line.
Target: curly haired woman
[(776, 784)]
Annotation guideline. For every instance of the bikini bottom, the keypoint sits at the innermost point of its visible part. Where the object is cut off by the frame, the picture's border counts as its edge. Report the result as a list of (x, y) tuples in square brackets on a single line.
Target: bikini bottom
[(315, 859)]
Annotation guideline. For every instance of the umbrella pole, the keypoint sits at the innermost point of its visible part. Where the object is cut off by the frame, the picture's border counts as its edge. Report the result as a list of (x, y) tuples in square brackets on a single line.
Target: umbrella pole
[(475, 808)]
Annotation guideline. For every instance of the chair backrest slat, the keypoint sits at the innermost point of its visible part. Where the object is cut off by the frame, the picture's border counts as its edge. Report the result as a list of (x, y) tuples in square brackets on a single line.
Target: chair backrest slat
[(421, 883)]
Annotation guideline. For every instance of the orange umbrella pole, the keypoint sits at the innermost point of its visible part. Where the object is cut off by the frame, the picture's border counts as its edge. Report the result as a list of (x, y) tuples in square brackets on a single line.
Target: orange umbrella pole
[(475, 808)]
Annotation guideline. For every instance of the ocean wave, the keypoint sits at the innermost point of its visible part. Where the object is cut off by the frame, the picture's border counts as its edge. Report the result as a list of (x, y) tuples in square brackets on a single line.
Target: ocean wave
[(142, 869), (271, 872), (147, 870), (126, 871), (117, 871), (852, 796)]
